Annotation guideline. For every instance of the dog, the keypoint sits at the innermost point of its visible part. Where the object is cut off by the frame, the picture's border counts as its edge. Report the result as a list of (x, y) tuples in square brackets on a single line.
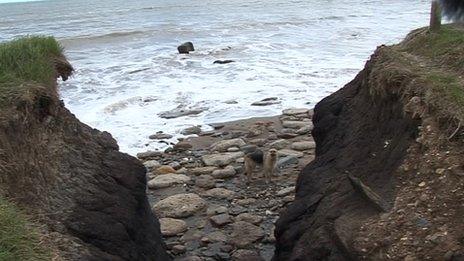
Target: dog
[(268, 162)]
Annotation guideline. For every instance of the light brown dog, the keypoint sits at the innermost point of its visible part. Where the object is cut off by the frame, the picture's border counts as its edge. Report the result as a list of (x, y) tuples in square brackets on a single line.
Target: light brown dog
[(268, 162)]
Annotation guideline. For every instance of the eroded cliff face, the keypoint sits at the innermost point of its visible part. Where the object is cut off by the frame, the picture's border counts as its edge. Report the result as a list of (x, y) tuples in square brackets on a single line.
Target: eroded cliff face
[(359, 134), (386, 183), (73, 179)]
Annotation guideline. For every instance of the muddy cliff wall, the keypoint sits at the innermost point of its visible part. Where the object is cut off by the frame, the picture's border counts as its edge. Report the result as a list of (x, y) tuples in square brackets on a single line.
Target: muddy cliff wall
[(386, 183), (72, 178), (357, 133)]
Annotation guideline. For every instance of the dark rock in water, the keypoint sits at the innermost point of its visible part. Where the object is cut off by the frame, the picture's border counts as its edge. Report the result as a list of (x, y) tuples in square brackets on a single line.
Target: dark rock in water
[(223, 61), (186, 48), (180, 112), (266, 102), (327, 212)]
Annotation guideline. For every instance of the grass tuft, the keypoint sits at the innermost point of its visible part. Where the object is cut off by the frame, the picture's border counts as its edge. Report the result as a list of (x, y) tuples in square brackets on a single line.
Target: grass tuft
[(19, 241), (27, 60)]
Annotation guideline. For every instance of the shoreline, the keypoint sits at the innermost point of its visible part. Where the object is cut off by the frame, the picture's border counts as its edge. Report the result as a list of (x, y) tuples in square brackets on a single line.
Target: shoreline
[(234, 219)]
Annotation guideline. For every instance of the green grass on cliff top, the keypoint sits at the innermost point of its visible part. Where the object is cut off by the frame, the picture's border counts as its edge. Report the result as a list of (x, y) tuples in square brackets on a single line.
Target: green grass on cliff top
[(444, 51), (19, 241), (26, 60)]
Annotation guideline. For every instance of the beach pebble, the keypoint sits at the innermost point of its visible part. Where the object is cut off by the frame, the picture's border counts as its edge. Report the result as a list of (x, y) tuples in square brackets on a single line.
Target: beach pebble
[(165, 169), (295, 124), (205, 181), (267, 101), (226, 172), (287, 152), (219, 193), (191, 130), (279, 144), (216, 210), (220, 220), (223, 145), (160, 136), (151, 164), (164, 181), (303, 145), (295, 111), (172, 227), (149, 154), (244, 234), (250, 218), (285, 191), (179, 206), (221, 159), (202, 170)]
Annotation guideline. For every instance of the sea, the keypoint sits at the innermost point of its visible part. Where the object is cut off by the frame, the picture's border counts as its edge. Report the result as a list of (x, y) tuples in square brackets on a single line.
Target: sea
[(128, 70)]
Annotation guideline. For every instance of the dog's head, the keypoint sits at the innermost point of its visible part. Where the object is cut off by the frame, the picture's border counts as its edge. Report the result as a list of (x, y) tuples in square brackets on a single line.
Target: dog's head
[(273, 152)]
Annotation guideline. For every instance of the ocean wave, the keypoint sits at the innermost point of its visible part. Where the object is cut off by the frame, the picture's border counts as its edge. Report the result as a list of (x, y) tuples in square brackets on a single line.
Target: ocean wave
[(102, 37)]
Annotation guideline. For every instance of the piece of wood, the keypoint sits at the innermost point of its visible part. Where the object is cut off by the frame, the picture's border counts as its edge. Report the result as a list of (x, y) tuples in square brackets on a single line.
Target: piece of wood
[(435, 16), (368, 194)]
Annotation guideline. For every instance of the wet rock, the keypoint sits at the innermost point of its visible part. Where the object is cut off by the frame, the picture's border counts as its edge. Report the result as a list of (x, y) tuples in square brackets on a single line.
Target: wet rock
[(216, 210), (303, 145), (244, 234), (304, 130), (216, 236), (180, 112), (175, 165), (160, 136), (185, 48), (287, 152), (267, 101), (151, 164), (283, 135), (223, 61), (295, 124), (226, 172), (219, 193), (245, 201), (149, 154), (223, 145), (182, 171), (172, 227), (191, 258), (191, 130), (258, 142), (221, 220), (182, 146), (286, 191), (221, 159), (178, 249), (248, 148), (236, 210), (179, 206), (246, 255), (205, 181), (231, 102), (279, 144), (233, 149), (287, 160), (202, 170), (250, 218), (165, 169), (164, 181), (295, 111)]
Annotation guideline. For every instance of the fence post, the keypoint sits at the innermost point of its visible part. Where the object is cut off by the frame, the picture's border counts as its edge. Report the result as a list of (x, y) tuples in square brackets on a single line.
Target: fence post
[(435, 16)]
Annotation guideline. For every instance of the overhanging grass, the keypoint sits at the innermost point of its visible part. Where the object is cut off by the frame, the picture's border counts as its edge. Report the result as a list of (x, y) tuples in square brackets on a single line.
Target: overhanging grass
[(445, 47), (26, 60), (18, 240)]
